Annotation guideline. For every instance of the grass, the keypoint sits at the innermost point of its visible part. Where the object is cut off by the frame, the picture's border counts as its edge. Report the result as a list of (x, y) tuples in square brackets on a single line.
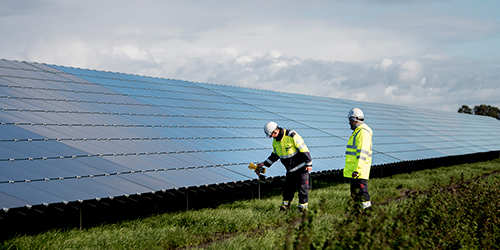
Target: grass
[(413, 222)]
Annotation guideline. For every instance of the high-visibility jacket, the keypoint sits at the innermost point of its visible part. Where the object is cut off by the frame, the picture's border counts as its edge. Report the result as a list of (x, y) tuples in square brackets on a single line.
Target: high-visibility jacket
[(290, 148), (358, 155)]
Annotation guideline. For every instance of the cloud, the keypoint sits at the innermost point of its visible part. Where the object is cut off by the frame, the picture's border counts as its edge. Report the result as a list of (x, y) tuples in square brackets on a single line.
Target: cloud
[(410, 71), (384, 64), (71, 50), (418, 53)]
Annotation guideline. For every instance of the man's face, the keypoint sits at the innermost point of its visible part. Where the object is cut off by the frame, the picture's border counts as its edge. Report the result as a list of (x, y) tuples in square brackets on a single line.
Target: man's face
[(275, 133), (352, 123)]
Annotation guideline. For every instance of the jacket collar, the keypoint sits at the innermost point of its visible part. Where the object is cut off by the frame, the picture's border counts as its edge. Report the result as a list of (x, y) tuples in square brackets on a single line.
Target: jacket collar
[(281, 134)]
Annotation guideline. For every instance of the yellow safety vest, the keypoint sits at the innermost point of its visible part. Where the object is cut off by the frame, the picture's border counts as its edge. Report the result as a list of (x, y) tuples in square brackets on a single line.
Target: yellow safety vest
[(358, 155), (291, 150)]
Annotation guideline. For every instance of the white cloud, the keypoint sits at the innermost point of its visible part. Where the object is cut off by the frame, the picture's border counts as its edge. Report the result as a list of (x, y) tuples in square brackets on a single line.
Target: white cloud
[(388, 91), (131, 52), (410, 70), (423, 81), (384, 64), (244, 59), (409, 53), (69, 50)]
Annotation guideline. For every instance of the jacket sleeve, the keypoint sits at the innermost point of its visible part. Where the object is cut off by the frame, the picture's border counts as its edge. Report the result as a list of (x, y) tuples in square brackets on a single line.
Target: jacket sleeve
[(271, 159), (364, 161), (302, 147), (308, 159)]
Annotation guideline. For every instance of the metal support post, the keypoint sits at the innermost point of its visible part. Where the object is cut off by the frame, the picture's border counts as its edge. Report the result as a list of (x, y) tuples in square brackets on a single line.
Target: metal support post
[(258, 186), (187, 199), (81, 217)]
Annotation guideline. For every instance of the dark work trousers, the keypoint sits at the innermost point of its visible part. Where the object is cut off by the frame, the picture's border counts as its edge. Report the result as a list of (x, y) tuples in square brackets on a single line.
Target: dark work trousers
[(297, 180), (359, 189)]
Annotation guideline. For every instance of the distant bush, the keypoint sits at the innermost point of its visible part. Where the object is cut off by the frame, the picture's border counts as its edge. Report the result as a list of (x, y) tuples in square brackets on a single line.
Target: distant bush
[(465, 215), (482, 109)]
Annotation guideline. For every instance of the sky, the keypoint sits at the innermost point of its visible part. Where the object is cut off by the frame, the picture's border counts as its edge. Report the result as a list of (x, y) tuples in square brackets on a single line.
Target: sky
[(429, 54)]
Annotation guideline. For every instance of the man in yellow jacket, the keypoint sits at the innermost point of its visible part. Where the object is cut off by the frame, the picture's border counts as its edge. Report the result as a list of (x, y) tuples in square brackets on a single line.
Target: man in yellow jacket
[(291, 150), (358, 158)]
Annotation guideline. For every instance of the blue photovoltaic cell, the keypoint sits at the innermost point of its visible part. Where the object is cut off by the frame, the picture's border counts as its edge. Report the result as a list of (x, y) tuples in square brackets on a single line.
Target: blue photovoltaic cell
[(73, 134)]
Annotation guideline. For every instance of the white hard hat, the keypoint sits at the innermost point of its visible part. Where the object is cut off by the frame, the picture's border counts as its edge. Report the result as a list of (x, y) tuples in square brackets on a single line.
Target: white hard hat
[(269, 128), (356, 113)]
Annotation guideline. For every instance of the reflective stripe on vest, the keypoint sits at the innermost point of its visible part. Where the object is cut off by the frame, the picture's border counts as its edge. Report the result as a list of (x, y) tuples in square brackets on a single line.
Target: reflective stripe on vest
[(357, 151), (285, 148)]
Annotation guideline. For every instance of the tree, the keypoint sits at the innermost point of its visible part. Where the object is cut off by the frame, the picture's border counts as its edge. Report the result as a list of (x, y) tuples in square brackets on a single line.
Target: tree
[(482, 109), (486, 110), (465, 109)]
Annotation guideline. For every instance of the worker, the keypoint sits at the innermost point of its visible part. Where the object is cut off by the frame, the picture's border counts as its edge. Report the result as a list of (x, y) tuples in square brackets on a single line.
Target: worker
[(358, 158), (290, 148)]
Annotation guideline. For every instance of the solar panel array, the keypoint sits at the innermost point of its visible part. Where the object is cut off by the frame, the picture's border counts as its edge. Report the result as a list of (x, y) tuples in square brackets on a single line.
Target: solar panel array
[(70, 134)]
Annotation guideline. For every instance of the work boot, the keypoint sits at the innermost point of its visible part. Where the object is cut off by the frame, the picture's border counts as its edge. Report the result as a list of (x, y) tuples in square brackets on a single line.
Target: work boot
[(303, 208), (285, 206), (366, 204)]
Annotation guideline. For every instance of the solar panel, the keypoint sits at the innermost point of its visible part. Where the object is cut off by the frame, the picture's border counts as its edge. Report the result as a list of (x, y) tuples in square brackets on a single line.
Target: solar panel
[(70, 134)]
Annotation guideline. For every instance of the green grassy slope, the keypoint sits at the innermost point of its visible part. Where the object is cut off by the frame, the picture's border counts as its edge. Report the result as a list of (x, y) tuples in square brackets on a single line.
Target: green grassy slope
[(447, 208)]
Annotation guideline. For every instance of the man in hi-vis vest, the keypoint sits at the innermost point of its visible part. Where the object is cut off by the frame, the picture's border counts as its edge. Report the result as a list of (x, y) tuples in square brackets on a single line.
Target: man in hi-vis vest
[(290, 148), (358, 157)]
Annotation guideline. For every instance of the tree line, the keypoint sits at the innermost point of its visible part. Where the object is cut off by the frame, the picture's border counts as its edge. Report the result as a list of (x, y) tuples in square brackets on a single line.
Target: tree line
[(482, 109)]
